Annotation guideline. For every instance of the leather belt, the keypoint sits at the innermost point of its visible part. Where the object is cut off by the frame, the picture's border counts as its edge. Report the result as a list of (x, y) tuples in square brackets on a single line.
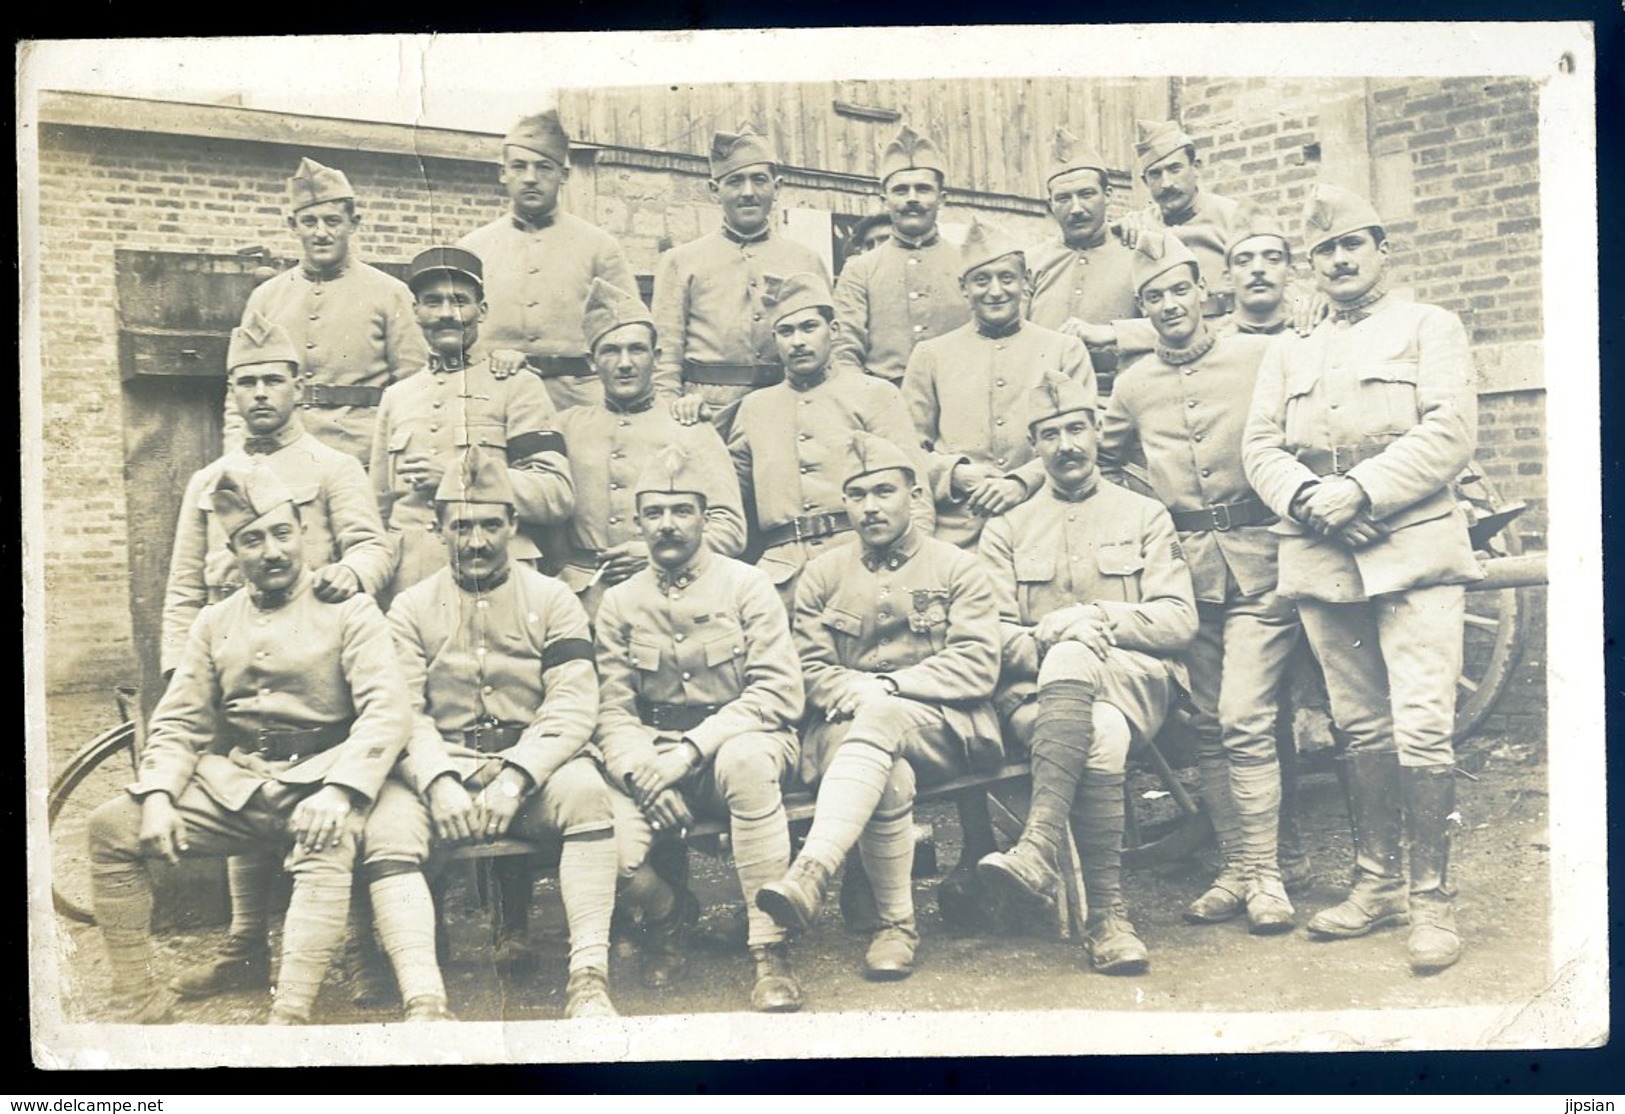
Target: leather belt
[(806, 528), (494, 737), (733, 375), (1220, 304), (1338, 459), (289, 744), (1224, 516), (327, 396), (560, 367), (674, 717)]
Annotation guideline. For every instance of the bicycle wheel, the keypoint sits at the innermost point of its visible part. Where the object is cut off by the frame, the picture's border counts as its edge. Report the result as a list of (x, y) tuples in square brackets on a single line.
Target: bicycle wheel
[(100, 770)]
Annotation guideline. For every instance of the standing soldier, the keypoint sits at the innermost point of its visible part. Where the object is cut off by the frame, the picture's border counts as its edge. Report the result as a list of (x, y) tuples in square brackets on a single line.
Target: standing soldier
[(282, 721), (1184, 407), (1095, 602), (701, 695), (716, 342), (344, 548), (350, 323), (603, 544), (1356, 434), (426, 420), (1083, 275), (790, 442), (905, 290), (899, 642), (965, 391), (539, 263), (499, 667)]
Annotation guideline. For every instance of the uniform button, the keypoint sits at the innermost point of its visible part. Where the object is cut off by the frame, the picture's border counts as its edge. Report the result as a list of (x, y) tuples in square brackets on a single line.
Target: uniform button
[(615, 487), (806, 506), (429, 526), (308, 375), (1000, 462), (535, 270), (1207, 471), (310, 344), (1334, 406), (438, 403), (885, 614), (913, 293), (919, 328), (532, 305), (614, 519), (1071, 518), (1185, 370), (1190, 403), (755, 317), (616, 455), (998, 421), (534, 337), (623, 422), (805, 469), (480, 650), (913, 260), (806, 402), (482, 603), (998, 382), (678, 636), (801, 436), (316, 290), (434, 428), (1198, 436), (313, 316), (261, 654), (488, 690), (687, 676)]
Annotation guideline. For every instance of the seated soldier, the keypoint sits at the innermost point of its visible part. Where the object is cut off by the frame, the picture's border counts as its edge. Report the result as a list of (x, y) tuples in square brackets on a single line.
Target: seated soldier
[(499, 672), (602, 545), (899, 643), (1096, 604), (283, 718), (701, 695)]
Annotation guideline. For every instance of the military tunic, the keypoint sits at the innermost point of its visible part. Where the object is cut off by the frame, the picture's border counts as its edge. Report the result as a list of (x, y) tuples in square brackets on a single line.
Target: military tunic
[(890, 299), (789, 447), (708, 307), (1111, 548), (304, 664), (967, 397), (924, 614), (536, 280), (442, 413), (1093, 284), (616, 445), (354, 329), (336, 506)]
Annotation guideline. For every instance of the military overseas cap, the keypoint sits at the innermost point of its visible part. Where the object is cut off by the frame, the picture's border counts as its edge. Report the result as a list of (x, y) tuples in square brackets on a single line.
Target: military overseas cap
[(1156, 252), (314, 183), (911, 151), (245, 494), (542, 134), (1157, 139), (1252, 220), (477, 476), (983, 244), (1333, 211), (747, 147), (805, 290), (674, 470), (609, 307), (867, 453), (258, 340), (434, 262), (1058, 394), (1067, 153)]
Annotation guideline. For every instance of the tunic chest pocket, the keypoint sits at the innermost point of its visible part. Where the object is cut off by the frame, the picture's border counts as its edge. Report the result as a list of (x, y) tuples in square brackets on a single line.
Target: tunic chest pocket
[(321, 547), (720, 651), (1120, 564), (400, 439), (489, 434), (1033, 570), (842, 622), (645, 655), (1388, 396)]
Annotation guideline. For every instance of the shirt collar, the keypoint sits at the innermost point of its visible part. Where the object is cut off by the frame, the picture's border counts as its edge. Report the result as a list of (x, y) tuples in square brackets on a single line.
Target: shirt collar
[(1178, 356), (1080, 495), (544, 221), (895, 555), (1273, 328), (1091, 243), (1359, 309), (668, 579), (338, 270), (741, 238), (808, 382), (906, 244), (261, 444), (1000, 332), (271, 601), (1184, 215), (637, 406), (437, 362), (476, 586)]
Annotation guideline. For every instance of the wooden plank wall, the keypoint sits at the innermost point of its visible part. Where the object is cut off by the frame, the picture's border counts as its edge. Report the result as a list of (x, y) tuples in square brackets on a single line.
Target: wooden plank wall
[(996, 133)]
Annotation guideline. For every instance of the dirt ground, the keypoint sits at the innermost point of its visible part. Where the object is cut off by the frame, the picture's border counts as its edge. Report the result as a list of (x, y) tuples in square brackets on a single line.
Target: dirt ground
[(1500, 865)]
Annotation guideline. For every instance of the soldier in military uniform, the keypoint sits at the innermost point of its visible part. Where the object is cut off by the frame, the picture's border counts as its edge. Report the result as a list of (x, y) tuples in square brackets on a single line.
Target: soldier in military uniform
[(1082, 275), (539, 264), (1184, 407), (899, 643), (351, 324), (603, 545), (424, 423), (280, 725), (499, 666), (1096, 606), (1355, 436), (344, 548), (701, 695), (965, 389), (789, 441), (716, 342), (906, 290)]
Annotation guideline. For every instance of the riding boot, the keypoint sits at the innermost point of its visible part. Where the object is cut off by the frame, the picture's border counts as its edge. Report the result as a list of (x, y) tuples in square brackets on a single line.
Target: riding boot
[(1377, 896), (1430, 805)]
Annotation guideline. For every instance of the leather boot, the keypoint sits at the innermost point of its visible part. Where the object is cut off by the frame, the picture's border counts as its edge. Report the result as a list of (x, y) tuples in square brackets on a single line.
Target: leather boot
[(428, 1007), (1269, 910), (776, 989), (1430, 804), (665, 942), (1377, 897), (793, 900), (891, 952), (1024, 871), (243, 964), (1113, 945), (587, 994)]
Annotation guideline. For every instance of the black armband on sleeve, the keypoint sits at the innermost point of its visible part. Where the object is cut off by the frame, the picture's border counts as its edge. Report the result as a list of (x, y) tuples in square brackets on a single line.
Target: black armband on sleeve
[(566, 650), (529, 444)]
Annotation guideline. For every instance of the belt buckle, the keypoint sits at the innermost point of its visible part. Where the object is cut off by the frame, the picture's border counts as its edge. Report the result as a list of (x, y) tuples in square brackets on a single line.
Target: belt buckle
[(795, 524), (1338, 467), (1220, 513)]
